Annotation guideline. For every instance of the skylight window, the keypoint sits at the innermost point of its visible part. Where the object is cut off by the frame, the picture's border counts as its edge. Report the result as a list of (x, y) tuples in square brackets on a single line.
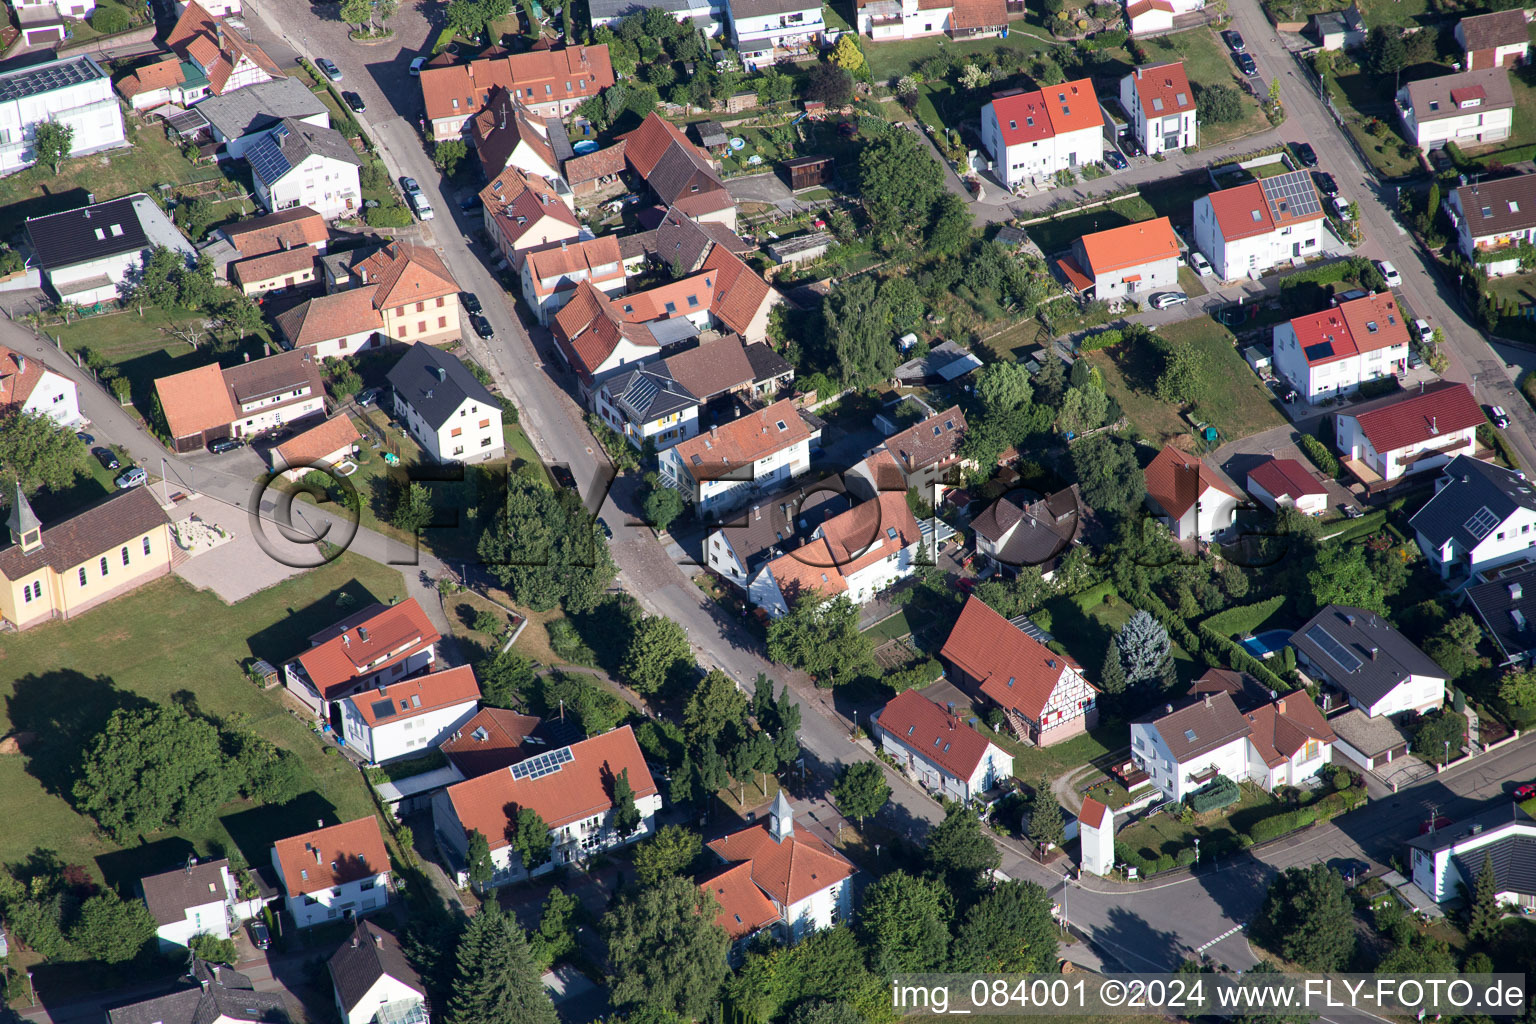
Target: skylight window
[(1189, 735), (1371, 326), (1157, 103), (1181, 99), (1487, 211), (671, 307), (1514, 207), (890, 531), (1030, 121), (1013, 124)]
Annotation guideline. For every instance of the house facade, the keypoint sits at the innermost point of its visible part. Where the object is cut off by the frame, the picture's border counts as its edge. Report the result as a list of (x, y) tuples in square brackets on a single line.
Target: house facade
[(1193, 500), (225, 57), (1473, 108), (1493, 219), (244, 400), (373, 981), (1411, 433), (523, 212), (1130, 261), (764, 30), (374, 646), (409, 718), (550, 83), (1034, 135), (1481, 517), (450, 414), (646, 404), (1330, 354), (1250, 230), (75, 92), (1287, 483), (1043, 694), (1497, 40), (550, 275), (1160, 104), (944, 754), (300, 164), (928, 453), (1361, 656), (29, 385), (87, 253), (65, 569), (195, 899), (883, 20), (1447, 861), (334, 873), (721, 468)]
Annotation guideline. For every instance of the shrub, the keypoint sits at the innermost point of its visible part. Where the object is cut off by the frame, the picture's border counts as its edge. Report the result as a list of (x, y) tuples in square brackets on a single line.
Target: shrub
[(1220, 793), (1320, 455), (1242, 620), (395, 216), (1103, 339), (110, 19)]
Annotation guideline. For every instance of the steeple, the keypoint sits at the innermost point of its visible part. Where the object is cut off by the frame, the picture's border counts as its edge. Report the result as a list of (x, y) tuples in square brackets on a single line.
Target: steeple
[(781, 823), (25, 529)]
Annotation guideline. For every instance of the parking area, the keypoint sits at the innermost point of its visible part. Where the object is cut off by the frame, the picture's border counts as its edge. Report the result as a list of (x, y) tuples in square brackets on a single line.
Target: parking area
[(240, 566)]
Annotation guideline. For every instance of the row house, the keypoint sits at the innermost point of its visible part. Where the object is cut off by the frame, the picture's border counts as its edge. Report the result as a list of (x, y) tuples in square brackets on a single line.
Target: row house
[(740, 548), (550, 83), (373, 647), (1473, 108), (399, 293), (1130, 261), (1391, 439), (74, 92), (507, 133), (333, 873), (1330, 354), (212, 402), (1493, 219), (1251, 229), (1481, 517), (724, 466), (1160, 104), (524, 212), (226, 58), (550, 274), (1034, 135)]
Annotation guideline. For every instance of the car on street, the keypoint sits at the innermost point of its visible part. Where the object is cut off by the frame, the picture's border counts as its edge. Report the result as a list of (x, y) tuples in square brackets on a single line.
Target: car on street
[(354, 101), (563, 475), (420, 205), (105, 457), (85, 438), (1115, 160), (1526, 791), (1414, 362), (1340, 207), (1169, 299), (1389, 273), (417, 64), (1325, 183), (1201, 265), (1422, 331), (470, 302), (1305, 154), (482, 326), (225, 444), (1246, 65), (408, 185), (1350, 512), (366, 397), (471, 202), (329, 69), (130, 478), (1234, 40), (602, 524), (1499, 416)]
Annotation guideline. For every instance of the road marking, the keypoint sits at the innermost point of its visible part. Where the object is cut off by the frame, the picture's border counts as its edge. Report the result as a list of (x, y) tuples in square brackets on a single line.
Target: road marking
[(1224, 935)]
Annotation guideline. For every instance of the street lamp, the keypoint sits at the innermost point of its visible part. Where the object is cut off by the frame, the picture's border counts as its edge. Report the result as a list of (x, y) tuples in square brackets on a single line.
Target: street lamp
[(1197, 850), (855, 733), (1447, 752)]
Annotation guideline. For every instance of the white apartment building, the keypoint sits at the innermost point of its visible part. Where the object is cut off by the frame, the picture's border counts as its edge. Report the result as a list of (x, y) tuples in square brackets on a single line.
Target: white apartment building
[(38, 390), (721, 468), (300, 164), (1481, 517), (374, 646), (763, 29), (1161, 106), (1492, 219), (1331, 353), (1473, 108), (1249, 230), (444, 408), (333, 873), (75, 92), (1447, 861), (1033, 135), (409, 718)]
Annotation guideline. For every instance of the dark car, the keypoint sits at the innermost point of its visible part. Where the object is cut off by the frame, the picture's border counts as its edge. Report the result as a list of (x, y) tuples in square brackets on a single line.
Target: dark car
[(354, 101), (471, 202), (563, 475), (1246, 65), (1325, 183), (225, 444), (1306, 154), (105, 457), (329, 69), (603, 525), (260, 937), (408, 185), (1235, 41), (1115, 160), (85, 438), (470, 302), (482, 326)]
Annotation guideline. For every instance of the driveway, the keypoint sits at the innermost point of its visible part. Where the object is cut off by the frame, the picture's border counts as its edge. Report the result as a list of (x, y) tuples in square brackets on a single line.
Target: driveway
[(762, 188)]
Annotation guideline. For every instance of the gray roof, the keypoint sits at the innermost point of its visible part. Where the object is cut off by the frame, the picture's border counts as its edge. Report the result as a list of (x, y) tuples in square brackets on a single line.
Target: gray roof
[(1456, 831), (765, 8), (369, 954), (46, 78), (647, 393), (258, 107), (1034, 533), (777, 523), (711, 133), (1507, 606), (681, 172), (1514, 864), (435, 384), (766, 363), (171, 894), (22, 519), (1200, 726), (1360, 652), (229, 995), (290, 143), (559, 140), (601, 9), (1471, 499), (945, 361), (1431, 98)]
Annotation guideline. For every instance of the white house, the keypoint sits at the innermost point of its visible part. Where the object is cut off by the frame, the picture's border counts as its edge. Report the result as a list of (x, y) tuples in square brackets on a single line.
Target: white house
[(1160, 104), (1482, 516), (36, 389), (804, 877), (523, 211), (1330, 354), (333, 873), (571, 788), (550, 274), (1149, 17), (1448, 860), (41, 12), (1193, 499), (739, 548), (1033, 135), (1096, 837), (721, 468), (446, 410), (376, 645), (1249, 230), (300, 164), (645, 403), (1277, 483), (75, 92), (912, 19), (1359, 654), (764, 30), (508, 134), (1493, 218), (1131, 261), (373, 981), (411, 717), (330, 443), (942, 752), (705, 15), (1473, 108), (87, 253), (1497, 40), (857, 554), (196, 899), (243, 400), (1043, 694), (171, 80), (1418, 431)]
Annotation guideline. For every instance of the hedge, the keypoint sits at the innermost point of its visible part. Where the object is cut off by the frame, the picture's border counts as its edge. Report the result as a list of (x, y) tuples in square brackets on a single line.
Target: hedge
[(1354, 529), (1103, 339), (1239, 660), (1243, 619), (1319, 454), (1379, 387), (1355, 268), (1277, 825), (1220, 793), (1176, 627)]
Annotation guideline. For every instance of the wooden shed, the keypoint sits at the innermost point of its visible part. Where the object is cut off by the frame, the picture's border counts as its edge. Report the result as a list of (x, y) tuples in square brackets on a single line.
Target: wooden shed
[(809, 171)]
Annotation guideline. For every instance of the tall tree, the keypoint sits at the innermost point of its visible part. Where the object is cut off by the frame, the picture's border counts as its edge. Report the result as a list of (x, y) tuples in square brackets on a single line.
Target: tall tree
[(112, 930), (52, 142), (1082, 409), (667, 853), (1144, 647), (1307, 913), (950, 226), (666, 950), (860, 790), (1340, 575), (481, 868), (1010, 929), (899, 181), (413, 507), (1112, 675), (1003, 387), (530, 838), (555, 938), (1046, 826), (626, 816), (497, 980), (656, 645), (905, 921), (544, 547), (34, 448), (823, 639), (1107, 471), (714, 704), (959, 849), (858, 326)]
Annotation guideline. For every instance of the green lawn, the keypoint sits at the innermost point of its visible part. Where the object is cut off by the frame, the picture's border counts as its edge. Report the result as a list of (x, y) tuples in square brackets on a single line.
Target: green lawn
[(1165, 834), (1057, 235), (86, 490), (890, 628), (1085, 623), (1207, 63), (894, 59), (1521, 288), (1396, 12), (1190, 281), (168, 641), (1363, 97), (1235, 401)]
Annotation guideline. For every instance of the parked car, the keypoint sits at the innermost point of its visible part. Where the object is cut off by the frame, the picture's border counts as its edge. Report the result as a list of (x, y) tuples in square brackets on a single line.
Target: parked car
[(1526, 791), (366, 397), (1201, 265), (1234, 40), (260, 937), (471, 202), (85, 438), (408, 185), (1305, 154), (1340, 207), (1246, 65), (105, 457), (1169, 299), (470, 302), (225, 444), (602, 524), (417, 64), (421, 206), (1325, 183), (329, 69), (1389, 274), (563, 475), (354, 101), (130, 478), (482, 326), (1414, 362), (1499, 416), (1115, 160), (1350, 512), (1422, 331)]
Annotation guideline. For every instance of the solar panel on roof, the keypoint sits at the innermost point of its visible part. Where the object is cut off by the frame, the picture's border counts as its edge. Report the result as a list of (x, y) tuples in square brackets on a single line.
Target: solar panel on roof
[(1331, 647), (1292, 193), (267, 160), (48, 78), (383, 709), (540, 765), (641, 391), (1481, 522)]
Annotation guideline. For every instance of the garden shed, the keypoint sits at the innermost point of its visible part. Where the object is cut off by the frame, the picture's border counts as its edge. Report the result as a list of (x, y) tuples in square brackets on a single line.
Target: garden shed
[(809, 171)]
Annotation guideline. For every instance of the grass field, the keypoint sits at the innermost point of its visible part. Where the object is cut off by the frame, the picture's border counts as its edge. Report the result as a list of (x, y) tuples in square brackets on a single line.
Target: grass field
[(64, 679), (1234, 401), (894, 59), (1362, 97), (1208, 63), (1056, 235), (1165, 834)]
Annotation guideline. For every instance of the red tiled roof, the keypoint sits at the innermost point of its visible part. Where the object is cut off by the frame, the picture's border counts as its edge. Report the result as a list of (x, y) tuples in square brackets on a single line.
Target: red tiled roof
[(1242, 212), (421, 695), (490, 741), (1282, 727), (1130, 245), (646, 145), (742, 441), (267, 267), (17, 381), (1468, 93), (599, 163), (405, 273), (744, 910), (1441, 408), (1346, 330), (325, 441), (195, 400), (328, 857), (503, 126), (327, 317), (1141, 7), (579, 789), (974, 14), (1285, 478), (572, 73), (159, 75), (561, 260), (525, 205), (1092, 814), (934, 734), (1013, 669), (1166, 83), (205, 40), (739, 291), (1176, 481), (935, 440), (362, 644), (789, 871), (588, 329), (1021, 118), (1044, 113), (849, 542), (284, 230)]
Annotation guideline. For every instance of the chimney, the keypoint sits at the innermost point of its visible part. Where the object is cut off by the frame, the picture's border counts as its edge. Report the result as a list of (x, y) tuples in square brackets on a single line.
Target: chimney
[(757, 513), (714, 430), (1349, 619), (21, 363), (317, 856), (354, 940), (1280, 707), (1374, 649), (378, 940), (1167, 709), (1207, 700), (346, 641)]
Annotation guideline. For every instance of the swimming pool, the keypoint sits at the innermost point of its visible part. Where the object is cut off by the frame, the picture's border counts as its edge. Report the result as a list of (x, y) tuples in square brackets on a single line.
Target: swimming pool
[(1265, 644)]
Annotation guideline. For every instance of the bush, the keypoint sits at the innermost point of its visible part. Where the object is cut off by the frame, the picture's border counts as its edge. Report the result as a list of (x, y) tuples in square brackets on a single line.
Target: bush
[(1220, 793), (1241, 620), (110, 19), (395, 216), (1378, 387), (1103, 339), (1320, 455), (1219, 103)]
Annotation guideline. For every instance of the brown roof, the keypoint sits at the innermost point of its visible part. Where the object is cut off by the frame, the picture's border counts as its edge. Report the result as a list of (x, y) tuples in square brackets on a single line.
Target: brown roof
[(973, 14), (335, 435), (1176, 480), (159, 75), (1499, 207), (522, 204), (587, 329), (712, 368), (563, 261), (744, 909), (331, 316), (935, 733), (365, 642), (491, 740), (574, 72), (113, 521), (284, 230), (721, 450), (599, 163), (1200, 726), (282, 263), (170, 895), (1092, 813), (274, 375), (406, 272), (501, 127), (1490, 31), (19, 375), (329, 857), (419, 695), (1032, 533), (1283, 726), (739, 291), (789, 871), (647, 144), (936, 439), (1011, 668), (200, 37), (195, 400)]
